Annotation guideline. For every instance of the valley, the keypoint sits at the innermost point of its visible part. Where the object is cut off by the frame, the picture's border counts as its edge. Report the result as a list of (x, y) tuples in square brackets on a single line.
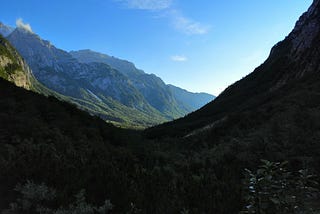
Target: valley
[(80, 132)]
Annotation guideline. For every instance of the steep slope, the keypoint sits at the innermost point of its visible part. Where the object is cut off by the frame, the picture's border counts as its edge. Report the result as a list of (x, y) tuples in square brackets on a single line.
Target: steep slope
[(12, 66), (14, 69), (291, 61), (41, 138), (168, 99), (95, 87)]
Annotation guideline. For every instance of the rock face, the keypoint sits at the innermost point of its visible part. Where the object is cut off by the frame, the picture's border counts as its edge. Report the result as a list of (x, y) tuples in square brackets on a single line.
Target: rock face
[(306, 30), (151, 87), (305, 40), (164, 98), (292, 62), (12, 66), (59, 71)]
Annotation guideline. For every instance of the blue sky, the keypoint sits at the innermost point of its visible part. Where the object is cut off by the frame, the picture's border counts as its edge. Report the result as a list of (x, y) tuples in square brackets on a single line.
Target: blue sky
[(199, 45)]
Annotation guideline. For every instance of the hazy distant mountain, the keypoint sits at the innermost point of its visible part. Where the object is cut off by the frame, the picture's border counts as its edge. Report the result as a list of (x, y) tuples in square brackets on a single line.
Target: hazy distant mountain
[(107, 86), (188, 100)]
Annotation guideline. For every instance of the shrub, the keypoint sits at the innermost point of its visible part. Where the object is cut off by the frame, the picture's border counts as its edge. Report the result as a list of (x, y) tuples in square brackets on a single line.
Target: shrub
[(274, 189)]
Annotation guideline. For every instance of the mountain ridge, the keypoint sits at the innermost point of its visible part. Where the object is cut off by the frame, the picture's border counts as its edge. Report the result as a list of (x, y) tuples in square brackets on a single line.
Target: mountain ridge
[(142, 80), (119, 89), (62, 73)]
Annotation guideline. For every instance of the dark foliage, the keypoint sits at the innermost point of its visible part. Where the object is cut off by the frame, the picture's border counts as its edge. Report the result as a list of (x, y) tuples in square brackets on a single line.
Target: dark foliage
[(45, 140)]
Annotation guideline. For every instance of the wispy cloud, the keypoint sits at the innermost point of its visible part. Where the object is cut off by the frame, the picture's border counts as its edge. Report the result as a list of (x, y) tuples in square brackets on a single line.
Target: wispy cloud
[(164, 8), (179, 58), (186, 25), (21, 24), (147, 4)]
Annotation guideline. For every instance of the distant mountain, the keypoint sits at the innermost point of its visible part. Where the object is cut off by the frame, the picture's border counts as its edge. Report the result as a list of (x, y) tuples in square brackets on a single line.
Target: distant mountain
[(95, 87), (292, 67), (188, 100), (106, 86), (168, 99)]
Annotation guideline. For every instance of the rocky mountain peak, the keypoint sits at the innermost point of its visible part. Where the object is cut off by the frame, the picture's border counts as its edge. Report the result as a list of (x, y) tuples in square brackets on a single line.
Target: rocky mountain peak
[(36, 50)]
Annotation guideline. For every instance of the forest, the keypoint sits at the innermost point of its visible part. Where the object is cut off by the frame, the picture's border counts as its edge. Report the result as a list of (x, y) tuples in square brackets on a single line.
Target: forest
[(49, 145)]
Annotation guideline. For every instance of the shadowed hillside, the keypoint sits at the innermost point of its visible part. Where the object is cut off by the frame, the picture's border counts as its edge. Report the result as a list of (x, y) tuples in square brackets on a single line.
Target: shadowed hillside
[(291, 62)]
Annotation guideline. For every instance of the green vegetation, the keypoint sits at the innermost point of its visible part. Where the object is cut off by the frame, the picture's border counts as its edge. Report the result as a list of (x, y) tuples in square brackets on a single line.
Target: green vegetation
[(274, 189)]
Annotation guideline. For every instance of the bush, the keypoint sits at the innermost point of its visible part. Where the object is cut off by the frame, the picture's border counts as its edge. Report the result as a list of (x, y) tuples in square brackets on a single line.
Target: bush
[(274, 189)]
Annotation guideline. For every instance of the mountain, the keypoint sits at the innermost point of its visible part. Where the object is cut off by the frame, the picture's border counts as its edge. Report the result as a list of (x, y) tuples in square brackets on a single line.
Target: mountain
[(5, 30), (167, 99), (95, 87), (106, 86), (124, 66), (188, 100), (292, 62)]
